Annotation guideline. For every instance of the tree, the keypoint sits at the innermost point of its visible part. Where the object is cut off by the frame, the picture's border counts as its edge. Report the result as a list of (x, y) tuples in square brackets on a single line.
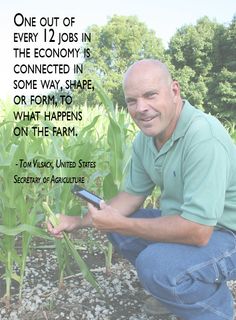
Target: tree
[(225, 47), (191, 53), (222, 84), (193, 46), (115, 46), (192, 90)]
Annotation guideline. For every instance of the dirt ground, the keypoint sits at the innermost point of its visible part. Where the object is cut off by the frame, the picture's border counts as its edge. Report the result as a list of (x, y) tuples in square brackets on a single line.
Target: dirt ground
[(122, 296)]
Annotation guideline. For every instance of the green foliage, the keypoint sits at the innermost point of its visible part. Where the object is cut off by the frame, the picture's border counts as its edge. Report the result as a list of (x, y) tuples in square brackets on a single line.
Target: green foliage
[(18, 206), (225, 47), (114, 47), (221, 98), (222, 90), (67, 246), (192, 90), (201, 57), (192, 46), (21, 204), (119, 145), (205, 65), (191, 50)]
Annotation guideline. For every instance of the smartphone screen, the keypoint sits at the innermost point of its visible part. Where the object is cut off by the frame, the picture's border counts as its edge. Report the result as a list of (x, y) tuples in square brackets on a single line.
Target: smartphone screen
[(89, 195), (86, 195)]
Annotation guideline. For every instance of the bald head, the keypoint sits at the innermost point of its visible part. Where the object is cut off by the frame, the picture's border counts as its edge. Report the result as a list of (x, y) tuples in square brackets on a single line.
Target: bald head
[(146, 67)]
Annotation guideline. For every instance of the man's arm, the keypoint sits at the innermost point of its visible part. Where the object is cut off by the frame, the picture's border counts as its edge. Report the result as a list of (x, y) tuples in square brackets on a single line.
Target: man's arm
[(170, 229), (173, 228), (124, 203)]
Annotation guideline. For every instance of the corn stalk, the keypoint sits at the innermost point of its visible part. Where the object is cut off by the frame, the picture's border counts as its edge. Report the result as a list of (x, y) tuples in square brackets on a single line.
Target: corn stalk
[(119, 154), (71, 248)]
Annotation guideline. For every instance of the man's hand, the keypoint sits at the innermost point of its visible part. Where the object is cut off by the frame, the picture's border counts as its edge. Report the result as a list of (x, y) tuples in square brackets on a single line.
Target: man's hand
[(107, 219), (68, 224)]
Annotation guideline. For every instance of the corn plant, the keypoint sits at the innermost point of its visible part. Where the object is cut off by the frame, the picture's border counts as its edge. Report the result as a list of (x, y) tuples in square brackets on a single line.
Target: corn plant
[(21, 204), (18, 208), (71, 248), (60, 196), (119, 154)]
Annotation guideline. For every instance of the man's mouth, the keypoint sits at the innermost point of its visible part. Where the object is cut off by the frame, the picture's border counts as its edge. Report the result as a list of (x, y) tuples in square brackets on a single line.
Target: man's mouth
[(148, 119)]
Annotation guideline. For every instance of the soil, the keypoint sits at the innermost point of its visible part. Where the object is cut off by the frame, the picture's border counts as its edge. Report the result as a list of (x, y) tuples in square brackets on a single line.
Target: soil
[(122, 296)]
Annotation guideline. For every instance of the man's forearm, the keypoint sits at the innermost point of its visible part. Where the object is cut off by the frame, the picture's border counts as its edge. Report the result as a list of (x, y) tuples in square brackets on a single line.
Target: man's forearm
[(126, 203), (173, 229)]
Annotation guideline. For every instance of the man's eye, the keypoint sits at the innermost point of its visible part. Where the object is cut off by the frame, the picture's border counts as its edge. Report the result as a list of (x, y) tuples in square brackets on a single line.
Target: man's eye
[(151, 95), (131, 103)]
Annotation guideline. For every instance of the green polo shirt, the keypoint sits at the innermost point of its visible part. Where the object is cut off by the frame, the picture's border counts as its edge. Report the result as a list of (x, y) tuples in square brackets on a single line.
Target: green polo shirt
[(195, 170)]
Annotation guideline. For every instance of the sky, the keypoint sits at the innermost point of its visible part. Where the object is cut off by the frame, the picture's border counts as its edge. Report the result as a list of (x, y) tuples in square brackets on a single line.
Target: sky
[(164, 17)]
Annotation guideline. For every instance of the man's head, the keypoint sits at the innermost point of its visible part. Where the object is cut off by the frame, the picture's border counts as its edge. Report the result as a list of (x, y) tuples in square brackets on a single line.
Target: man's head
[(153, 98)]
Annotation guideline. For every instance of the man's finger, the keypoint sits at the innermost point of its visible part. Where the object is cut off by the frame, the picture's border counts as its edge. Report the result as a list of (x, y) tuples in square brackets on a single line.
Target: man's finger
[(102, 204), (56, 232), (91, 208), (49, 226)]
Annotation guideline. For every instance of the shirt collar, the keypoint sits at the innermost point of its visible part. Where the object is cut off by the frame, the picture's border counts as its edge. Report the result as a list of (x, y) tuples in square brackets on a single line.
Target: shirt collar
[(184, 121)]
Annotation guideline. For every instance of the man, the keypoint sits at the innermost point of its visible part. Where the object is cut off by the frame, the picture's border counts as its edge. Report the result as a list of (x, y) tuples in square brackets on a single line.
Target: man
[(185, 252)]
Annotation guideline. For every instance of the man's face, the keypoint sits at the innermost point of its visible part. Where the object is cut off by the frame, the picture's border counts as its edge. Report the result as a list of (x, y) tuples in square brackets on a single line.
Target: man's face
[(151, 100)]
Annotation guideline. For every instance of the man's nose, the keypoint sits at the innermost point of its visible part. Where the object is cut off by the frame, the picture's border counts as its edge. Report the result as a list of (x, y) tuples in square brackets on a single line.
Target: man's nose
[(141, 105)]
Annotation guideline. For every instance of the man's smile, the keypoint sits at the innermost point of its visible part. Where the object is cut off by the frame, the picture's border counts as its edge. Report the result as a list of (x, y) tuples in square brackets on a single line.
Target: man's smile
[(147, 120)]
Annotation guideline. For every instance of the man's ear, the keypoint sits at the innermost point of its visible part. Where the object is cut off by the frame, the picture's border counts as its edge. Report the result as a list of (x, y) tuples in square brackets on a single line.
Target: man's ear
[(175, 89)]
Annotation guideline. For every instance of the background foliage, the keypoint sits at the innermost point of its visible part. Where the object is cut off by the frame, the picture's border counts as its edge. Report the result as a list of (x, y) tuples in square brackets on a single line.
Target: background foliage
[(202, 57)]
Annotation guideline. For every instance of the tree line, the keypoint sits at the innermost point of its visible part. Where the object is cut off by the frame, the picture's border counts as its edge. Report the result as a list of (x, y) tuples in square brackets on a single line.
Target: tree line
[(202, 57)]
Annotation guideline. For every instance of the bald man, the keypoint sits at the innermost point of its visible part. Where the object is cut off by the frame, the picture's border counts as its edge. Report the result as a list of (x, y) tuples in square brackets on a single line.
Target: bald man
[(186, 251)]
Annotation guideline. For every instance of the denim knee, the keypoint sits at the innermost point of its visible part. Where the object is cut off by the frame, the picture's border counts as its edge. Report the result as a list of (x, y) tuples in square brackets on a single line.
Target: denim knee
[(155, 276), (128, 247)]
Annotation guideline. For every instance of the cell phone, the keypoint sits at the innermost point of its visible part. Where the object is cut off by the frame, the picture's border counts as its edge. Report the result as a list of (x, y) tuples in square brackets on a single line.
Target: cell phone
[(86, 195)]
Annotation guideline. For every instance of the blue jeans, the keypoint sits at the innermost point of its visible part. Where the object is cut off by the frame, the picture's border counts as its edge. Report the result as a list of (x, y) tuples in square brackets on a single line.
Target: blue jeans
[(189, 280)]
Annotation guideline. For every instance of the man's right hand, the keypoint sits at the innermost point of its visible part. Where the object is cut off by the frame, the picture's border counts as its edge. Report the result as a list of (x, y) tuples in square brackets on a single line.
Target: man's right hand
[(68, 224)]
